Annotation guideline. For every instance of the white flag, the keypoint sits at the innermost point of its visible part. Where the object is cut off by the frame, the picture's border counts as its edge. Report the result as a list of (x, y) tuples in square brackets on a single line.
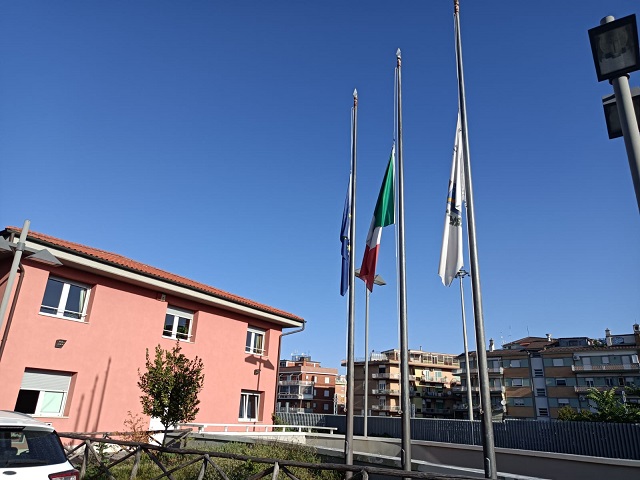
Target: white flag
[(451, 255)]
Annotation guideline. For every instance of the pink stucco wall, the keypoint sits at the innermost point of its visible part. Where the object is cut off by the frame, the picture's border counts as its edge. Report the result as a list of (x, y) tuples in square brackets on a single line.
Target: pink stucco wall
[(106, 352)]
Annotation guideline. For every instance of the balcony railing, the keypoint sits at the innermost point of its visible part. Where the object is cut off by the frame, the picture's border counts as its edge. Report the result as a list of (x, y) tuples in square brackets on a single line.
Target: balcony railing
[(386, 391), (386, 408), (436, 411), (586, 388), (477, 389), (294, 410), (385, 375), (426, 393), (606, 368), (302, 383), (296, 396), (474, 371), (433, 379)]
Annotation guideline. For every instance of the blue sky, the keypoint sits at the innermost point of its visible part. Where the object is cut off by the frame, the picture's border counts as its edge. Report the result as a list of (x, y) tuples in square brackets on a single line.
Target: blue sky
[(212, 139)]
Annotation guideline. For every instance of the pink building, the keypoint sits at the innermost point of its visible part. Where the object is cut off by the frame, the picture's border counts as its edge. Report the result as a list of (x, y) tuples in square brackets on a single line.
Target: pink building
[(74, 338)]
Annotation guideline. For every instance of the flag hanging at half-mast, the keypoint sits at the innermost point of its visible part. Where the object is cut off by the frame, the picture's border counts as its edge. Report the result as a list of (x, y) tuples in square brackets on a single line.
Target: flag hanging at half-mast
[(451, 259), (345, 239), (383, 215)]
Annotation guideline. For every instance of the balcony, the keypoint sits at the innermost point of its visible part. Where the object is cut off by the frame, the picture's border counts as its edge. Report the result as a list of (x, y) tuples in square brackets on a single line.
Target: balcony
[(427, 394), (429, 379), (601, 388), (625, 367), (300, 383), (436, 411), (294, 410), (477, 389), (386, 408), (474, 371), (385, 375), (295, 396), (385, 391)]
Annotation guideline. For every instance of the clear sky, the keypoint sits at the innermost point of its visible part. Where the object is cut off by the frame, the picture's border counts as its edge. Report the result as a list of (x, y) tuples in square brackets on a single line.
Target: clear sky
[(212, 139)]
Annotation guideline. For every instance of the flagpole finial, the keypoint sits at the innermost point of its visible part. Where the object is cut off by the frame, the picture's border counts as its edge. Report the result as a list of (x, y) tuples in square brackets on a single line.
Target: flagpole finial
[(456, 7), (398, 57), (355, 97)]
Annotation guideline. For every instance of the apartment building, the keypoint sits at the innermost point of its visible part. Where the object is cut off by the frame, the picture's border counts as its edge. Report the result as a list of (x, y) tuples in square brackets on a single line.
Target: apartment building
[(534, 377), (431, 376), (75, 336), (304, 386)]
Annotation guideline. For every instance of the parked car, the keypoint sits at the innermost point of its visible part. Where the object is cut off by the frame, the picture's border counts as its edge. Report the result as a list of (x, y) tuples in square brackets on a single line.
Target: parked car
[(31, 450)]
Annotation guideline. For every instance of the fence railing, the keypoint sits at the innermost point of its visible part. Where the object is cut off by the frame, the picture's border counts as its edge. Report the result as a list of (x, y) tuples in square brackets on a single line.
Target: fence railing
[(105, 454), (596, 439)]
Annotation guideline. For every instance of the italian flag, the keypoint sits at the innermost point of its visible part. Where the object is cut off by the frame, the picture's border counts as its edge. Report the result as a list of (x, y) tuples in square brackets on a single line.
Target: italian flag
[(383, 215)]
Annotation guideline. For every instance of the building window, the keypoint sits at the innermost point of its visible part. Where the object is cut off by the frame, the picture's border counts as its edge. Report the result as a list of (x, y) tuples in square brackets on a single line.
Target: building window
[(561, 382), (563, 402), (516, 382), (327, 380), (608, 381), (588, 382), (605, 360), (43, 393), (249, 405), (65, 299), (326, 393), (558, 362), (177, 324), (518, 402), (515, 363), (255, 341), (326, 407)]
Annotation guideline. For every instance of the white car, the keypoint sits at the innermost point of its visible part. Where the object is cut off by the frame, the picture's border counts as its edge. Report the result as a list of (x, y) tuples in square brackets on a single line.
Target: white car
[(31, 450)]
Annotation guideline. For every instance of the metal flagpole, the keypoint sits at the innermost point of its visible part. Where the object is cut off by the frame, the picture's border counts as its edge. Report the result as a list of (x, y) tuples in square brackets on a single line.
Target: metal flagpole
[(461, 274), (366, 361), (404, 336), (488, 446), (348, 439)]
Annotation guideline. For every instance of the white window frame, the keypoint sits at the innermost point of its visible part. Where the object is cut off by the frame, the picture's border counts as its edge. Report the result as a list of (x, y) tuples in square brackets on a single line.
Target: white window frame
[(251, 344), (46, 382), (62, 301), (247, 396), (327, 380), (178, 313)]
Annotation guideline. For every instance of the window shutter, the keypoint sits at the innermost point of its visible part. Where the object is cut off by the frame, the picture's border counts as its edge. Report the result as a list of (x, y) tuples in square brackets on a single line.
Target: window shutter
[(38, 380)]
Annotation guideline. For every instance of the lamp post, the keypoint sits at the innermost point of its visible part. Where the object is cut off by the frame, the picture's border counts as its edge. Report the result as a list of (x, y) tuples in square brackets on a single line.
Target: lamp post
[(614, 45), (461, 274), (377, 280), (43, 256)]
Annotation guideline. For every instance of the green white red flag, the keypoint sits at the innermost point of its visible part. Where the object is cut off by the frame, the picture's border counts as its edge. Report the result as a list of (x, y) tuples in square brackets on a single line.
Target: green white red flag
[(383, 215)]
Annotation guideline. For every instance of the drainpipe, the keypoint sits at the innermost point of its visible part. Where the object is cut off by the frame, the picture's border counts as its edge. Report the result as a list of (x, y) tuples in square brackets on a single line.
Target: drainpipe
[(14, 302), (283, 334)]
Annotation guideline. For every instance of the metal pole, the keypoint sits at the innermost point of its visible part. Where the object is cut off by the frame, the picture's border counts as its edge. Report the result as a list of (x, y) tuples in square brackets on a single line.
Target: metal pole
[(348, 440), (366, 360), (488, 445), (17, 255), (628, 122), (461, 274), (404, 336)]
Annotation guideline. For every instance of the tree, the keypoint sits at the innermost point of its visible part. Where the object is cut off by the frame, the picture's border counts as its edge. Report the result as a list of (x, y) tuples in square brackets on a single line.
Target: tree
[(170, 387), (609, 408)]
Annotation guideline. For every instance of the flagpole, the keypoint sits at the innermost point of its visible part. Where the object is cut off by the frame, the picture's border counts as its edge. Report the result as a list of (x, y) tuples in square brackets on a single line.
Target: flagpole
[(348, 439), (488, 446), (461, 274), (404, 337)]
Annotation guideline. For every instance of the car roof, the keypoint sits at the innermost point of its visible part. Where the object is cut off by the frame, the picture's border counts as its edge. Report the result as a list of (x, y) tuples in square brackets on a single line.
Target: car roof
[(16, 419)]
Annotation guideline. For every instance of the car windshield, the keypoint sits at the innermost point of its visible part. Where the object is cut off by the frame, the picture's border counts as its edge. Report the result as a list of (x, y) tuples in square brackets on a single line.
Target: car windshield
[(28, 447)]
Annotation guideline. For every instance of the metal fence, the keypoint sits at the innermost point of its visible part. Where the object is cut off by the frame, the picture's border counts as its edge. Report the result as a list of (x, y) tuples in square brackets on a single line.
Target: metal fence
[(596, 439)]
